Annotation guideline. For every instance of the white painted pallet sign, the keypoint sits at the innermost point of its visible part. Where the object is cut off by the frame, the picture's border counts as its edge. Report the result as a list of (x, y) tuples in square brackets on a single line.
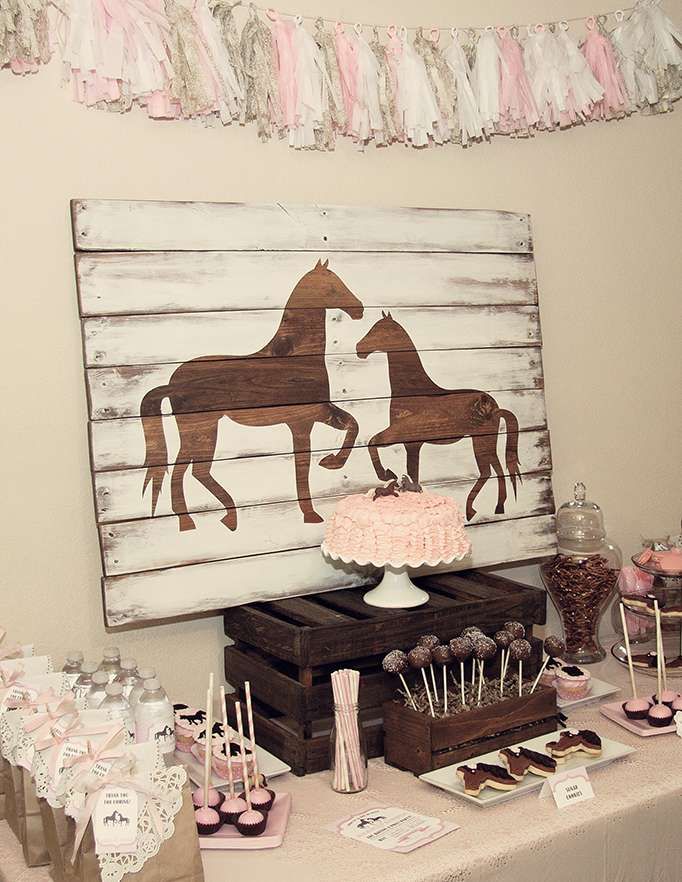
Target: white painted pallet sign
[(242, 375)]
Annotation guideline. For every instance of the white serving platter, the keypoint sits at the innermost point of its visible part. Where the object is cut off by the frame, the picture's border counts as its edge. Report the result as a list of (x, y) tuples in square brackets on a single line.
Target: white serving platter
[(599, 689), (446, 778), (268, 764), (271, 837), (614, 711)]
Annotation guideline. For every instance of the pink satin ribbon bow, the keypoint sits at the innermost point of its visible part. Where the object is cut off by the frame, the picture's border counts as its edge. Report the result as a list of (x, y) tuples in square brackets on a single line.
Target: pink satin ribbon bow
[(7, 680), (105, 751), (118, 778), (65, 706)]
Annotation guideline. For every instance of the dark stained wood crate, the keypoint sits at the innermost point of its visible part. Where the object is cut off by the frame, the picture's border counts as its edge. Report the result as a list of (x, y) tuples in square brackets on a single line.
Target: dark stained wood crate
[(288, 649)]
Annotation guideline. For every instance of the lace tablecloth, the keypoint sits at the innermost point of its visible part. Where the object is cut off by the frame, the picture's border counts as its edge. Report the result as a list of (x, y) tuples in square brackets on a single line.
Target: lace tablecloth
[(631, 831)]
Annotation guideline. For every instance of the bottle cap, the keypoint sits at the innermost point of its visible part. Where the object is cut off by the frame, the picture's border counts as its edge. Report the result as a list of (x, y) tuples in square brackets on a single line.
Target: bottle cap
[(114, 689), (89, 668), (128, 664), (75, 656), (101, 678), (152, 684), (111, 652), (147, 673)]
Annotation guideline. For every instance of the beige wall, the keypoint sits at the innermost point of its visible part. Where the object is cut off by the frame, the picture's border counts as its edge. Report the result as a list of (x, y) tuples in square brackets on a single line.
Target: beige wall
[(605, 202)]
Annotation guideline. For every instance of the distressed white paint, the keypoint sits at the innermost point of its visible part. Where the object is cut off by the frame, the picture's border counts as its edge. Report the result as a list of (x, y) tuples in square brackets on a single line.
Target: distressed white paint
[(111, 225), (119, 443), (159, 282), (154, 543), (261, 479), (117, 392), (155, 339), (192, 590)]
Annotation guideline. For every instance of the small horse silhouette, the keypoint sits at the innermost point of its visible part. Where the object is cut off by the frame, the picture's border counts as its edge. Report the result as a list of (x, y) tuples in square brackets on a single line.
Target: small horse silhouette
[(455, 413), (116, 818), (166, 732), (198, 717), (233, 386)]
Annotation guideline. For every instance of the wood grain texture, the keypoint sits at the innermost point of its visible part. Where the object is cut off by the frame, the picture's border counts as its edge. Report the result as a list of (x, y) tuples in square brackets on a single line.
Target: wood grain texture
[(147, 283), (112, 225), (163, 339), (119, 443), (256, 480), (195, 589), (117, 392)]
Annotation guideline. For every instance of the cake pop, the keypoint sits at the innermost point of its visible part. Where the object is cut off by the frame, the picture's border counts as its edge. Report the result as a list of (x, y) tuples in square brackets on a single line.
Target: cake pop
[(430, 641), (232, 807), (252, 822), (659, 715), (677, 704), (516, 629), (207, 819), (262, 798), (442, 656), (520, 651), (634, 708), (420, 658), (395, 662), (461, 649), (554, 647), (471, 631), (503, 639), (484, 649)]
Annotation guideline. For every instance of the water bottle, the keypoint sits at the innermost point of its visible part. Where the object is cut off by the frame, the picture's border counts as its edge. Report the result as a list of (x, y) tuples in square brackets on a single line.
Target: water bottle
[(100, 680), (154, 717), (137, 690), (118, 707), (74, 662), (84, 682), (111, 662), (128, 676)]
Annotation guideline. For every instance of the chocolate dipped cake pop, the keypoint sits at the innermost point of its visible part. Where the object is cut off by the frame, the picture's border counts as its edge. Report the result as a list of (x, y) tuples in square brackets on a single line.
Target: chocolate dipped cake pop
[(554, 647), (516, 629), (262, 798), (214, 799), (636, 708), (395, 662), (667, 697), (659, 716), (252, 822), (677, 704), (503, 639), (484, 649), (420, 658), (461, 648), (520, 651), (428, 640), (207, 820)]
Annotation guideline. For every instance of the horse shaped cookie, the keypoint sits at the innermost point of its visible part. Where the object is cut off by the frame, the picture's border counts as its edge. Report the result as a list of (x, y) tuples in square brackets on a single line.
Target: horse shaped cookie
[(453, 414), (254, 390)]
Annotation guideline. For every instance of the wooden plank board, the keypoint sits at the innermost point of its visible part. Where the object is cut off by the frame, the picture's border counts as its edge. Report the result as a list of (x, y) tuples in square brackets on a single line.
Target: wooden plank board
[(155, 543), (264, 479), (192, 590), (167, 282), (117, 392), (113, 225), (120, 443), (159, 339)]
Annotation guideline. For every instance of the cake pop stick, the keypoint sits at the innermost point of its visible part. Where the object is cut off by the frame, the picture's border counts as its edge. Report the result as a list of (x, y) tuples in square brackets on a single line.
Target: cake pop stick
[(420, 658), (659, 683), (626, 637), (430, 641), (209, 727), (395, 662), (442, 655), (554, 647), (242, 754), (252, 733), (461, 648), (520, 650), (484, 649), (503, 639), (227, 741)]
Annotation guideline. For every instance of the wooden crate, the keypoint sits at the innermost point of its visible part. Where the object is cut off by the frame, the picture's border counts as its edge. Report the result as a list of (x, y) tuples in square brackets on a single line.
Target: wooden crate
[(419, 743), (287, 650)]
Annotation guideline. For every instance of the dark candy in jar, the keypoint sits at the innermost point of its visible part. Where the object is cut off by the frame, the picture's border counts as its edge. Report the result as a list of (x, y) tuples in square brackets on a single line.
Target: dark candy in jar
[(395, 662)]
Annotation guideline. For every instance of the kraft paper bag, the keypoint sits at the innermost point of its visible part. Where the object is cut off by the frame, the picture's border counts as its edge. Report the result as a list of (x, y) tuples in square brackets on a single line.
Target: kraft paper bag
[(178, 860), (31, 825), (56, 829), (14, 797), (3, 763)]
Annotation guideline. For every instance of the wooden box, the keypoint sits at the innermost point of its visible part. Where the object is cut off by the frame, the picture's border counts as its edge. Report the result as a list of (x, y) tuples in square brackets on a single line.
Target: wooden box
[(419, 743), (288, 649)]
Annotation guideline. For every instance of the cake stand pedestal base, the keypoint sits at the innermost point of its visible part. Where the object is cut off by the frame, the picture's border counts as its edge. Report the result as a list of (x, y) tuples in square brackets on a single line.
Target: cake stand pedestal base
[(396, 591)]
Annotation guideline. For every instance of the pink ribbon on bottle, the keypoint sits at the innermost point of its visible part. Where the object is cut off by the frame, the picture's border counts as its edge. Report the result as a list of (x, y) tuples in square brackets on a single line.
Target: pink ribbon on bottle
[(65, 706), (118, 778)]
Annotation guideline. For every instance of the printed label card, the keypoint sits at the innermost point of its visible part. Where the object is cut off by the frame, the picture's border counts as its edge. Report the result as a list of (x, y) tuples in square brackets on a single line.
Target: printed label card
[(17, 693), (393, 829), (67, 751), (31, 666), (114, 821), (678, 722), (569, 787)]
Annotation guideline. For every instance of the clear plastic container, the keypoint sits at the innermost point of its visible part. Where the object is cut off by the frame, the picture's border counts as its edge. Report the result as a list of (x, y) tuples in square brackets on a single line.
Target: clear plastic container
[(347, 751), (100, 680), (73, 663), (154, 717), (111, 662), (128, 676), (137, 690), (116, 704), (84, 682), (581, 579)]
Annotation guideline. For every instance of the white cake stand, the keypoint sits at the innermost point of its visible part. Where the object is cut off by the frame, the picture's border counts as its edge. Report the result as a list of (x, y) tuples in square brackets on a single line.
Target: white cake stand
[(396, 590)]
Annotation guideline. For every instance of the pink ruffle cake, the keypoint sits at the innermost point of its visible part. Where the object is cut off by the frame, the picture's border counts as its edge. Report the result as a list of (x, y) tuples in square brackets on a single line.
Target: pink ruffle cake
[(409, 529)]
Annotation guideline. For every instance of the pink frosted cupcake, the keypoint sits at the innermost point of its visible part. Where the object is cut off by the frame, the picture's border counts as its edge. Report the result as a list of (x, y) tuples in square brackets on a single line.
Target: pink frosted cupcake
[(572, 682), (219, 762)]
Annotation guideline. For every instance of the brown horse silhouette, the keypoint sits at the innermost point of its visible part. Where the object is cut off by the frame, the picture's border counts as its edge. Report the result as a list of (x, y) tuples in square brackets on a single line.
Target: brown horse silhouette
[(456, 413), (253, 391)]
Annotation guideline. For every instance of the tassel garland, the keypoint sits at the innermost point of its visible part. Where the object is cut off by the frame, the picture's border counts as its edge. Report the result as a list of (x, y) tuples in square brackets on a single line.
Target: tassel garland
[(204, 60)]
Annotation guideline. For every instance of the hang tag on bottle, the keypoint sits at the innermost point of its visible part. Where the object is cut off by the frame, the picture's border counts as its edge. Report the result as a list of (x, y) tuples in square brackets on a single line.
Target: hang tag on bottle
[(114, 821), (569, 787)]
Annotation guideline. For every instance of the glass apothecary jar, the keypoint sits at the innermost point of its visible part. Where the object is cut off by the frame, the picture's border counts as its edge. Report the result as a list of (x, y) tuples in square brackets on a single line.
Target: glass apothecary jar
[(347, 751), (581, 578)]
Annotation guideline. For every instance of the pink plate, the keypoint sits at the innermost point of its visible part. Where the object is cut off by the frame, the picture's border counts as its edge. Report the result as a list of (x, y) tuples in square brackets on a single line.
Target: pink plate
[(272, 837), (614, 711)]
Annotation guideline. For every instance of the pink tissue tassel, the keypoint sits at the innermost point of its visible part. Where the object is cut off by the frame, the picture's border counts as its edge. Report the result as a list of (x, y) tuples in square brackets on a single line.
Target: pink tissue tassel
[(518, 110), (346, 54), (598, 52)]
